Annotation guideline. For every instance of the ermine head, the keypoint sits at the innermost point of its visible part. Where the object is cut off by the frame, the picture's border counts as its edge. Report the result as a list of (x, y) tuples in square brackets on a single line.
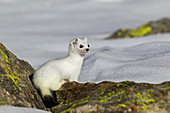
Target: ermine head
[(79, 46)]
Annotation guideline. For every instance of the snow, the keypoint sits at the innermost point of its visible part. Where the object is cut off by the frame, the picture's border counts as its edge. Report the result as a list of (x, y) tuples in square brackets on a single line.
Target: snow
[(40, 30), (148, 62), (12, 109)]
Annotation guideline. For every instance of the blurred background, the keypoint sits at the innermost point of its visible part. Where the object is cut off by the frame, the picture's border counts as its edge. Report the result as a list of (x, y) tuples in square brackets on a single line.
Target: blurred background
[(76, 18)]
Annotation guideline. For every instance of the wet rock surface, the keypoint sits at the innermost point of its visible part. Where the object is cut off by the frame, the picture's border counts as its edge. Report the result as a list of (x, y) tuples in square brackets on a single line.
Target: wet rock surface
[(152, 27), (105, 97), (16, 88)]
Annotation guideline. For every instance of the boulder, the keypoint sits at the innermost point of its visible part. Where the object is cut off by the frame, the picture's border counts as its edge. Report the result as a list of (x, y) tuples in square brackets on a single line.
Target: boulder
[(16, 88), (153, 27), (107, 97)]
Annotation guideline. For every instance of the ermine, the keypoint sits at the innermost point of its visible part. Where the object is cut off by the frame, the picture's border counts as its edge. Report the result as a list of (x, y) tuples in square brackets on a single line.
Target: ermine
[(51, 75)]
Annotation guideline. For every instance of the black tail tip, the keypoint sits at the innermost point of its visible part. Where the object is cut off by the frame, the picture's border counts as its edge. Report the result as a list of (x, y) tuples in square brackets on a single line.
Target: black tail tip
[(49, 101)]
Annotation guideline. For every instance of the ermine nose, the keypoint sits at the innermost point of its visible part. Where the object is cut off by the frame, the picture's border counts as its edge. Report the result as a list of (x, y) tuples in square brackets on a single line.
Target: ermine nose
[(87, 49)]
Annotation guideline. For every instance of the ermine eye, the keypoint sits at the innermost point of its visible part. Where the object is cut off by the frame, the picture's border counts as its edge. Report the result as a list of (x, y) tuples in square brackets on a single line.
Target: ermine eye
[(81, 46), (88, 45)]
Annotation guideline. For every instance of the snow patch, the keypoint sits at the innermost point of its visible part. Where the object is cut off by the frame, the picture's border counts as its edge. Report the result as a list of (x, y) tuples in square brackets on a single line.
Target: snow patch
[(148, 62), (12, 109)]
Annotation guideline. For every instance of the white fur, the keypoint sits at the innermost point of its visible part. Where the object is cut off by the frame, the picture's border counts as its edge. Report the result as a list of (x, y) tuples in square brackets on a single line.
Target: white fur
[(53, 74)]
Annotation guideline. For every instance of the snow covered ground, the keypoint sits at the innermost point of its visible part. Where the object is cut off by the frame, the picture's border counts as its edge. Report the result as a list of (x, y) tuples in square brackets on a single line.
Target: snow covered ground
[(40, 30), (12, 109), (145, 62)]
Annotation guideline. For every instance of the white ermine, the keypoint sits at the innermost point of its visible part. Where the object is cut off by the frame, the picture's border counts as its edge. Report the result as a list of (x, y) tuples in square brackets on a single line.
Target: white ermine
[(51, 75)]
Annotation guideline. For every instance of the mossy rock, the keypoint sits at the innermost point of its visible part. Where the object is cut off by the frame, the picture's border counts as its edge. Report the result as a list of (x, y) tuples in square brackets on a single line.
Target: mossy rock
[(112, 97), (153, 27), (16, 88)]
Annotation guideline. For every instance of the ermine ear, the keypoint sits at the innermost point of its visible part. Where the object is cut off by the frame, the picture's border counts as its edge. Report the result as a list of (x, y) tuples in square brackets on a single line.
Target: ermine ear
[(85, 38), (75, 41)]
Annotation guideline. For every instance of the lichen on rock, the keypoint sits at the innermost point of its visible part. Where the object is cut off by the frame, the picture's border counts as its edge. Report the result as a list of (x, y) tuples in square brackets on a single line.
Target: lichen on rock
[(152, 27), (141, 31), (113, 97), (15, 86)]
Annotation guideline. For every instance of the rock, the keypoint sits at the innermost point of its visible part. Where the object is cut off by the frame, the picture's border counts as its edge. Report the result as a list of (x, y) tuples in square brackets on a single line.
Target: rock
[(107, 97), (153, 27), (160, 26), (16, 88)]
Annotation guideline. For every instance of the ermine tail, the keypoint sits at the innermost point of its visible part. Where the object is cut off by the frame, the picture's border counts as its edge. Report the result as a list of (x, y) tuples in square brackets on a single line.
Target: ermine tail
[(48, 98), (49, 101)]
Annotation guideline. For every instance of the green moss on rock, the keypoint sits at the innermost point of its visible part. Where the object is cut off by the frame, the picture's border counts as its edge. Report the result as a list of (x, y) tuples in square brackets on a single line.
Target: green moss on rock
[(7, 70), (16, 88), (143, 30), (4, 56), (113, 97), (150, 28)]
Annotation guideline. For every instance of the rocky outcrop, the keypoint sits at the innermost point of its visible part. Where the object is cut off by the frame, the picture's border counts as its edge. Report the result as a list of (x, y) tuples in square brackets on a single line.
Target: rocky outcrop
[(107, 97), (153, 27), (16, 89), (15, 86)]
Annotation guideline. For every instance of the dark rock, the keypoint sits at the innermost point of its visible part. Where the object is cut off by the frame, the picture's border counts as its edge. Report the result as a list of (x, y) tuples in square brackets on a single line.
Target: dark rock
[(109, 97), (15, 86), (153, 27), (160, 26)]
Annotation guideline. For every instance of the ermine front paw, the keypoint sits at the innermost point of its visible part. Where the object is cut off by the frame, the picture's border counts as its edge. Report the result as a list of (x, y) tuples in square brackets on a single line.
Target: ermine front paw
[(63, 81)]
